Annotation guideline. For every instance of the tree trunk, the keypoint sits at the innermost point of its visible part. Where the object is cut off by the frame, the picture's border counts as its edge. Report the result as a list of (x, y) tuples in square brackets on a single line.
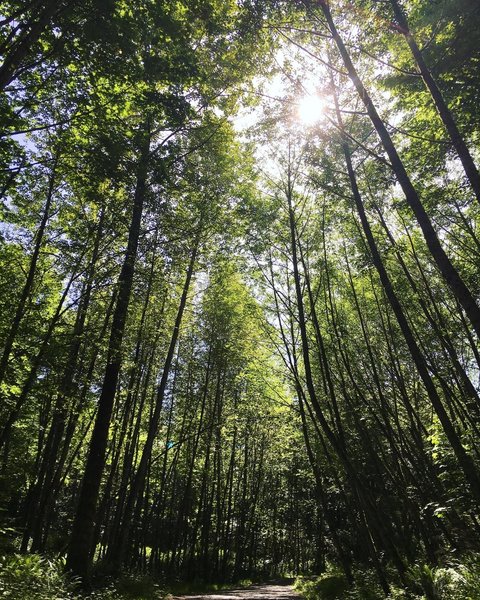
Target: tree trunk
[(136, 490), (21, 48), (79, 553), (445, 114), (445, 266), (465, 461), (12, 333)]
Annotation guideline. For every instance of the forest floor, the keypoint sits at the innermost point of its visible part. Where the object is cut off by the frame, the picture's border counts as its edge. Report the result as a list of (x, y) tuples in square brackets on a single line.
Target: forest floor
[(267, 591)]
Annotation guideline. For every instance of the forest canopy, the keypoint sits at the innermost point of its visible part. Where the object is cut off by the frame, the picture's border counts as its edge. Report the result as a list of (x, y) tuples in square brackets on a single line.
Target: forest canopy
[(240, 308)]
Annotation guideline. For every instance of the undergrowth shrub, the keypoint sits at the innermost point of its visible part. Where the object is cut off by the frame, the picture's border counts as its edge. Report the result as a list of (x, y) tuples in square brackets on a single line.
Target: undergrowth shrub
[(33, 577), (331, 585), (137, 586), (457, 581)]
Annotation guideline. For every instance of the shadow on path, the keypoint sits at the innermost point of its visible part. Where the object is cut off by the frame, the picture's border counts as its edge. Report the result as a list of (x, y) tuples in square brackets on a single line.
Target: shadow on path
[(267, 591)]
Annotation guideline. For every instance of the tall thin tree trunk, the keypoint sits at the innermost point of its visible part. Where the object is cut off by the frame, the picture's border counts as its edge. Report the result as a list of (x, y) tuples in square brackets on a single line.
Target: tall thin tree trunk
[(27, 288), (79, 553), (138, 483), (21, 47), (40, 494), (464, 460), (445, 114), (37, 360), (445, 266)]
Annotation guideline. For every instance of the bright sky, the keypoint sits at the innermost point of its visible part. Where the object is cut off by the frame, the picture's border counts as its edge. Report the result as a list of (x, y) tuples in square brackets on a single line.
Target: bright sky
[(311, 109)]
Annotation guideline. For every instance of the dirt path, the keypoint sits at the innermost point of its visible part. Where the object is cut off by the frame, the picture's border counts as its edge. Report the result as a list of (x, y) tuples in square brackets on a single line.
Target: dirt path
[(267, 591)]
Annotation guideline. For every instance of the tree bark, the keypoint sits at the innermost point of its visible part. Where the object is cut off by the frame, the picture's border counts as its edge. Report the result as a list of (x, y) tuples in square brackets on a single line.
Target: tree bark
[(20, 310), (79, 553), (445, 266), (464, 460), (21, 48), (444, 112), (137, 487)]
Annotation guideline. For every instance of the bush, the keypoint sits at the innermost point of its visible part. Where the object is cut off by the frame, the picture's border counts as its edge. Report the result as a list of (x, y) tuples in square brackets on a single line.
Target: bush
[(138, 587), (32, 577), (366, 587), (333, 585), (470, 572), (458, 581), (329, 586)]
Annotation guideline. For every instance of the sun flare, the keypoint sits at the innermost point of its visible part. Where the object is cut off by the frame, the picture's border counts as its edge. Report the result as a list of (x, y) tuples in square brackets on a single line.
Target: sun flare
[(311, 109)]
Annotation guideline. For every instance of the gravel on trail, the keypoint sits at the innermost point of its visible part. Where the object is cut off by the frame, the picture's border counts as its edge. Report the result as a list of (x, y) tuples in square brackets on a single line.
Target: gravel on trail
[(268, 591)]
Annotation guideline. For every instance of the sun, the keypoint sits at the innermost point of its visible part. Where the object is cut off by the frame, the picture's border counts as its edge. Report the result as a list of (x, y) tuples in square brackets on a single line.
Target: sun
[(311, 109)]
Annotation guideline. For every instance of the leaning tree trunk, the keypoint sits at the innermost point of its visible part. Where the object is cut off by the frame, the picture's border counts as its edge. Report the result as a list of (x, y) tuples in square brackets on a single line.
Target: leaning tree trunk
[(438, 327), (465, 461), (40, 494), (27, 288), (444, 264), (21, 48), (444, 112), (330, 435), (36, 363)]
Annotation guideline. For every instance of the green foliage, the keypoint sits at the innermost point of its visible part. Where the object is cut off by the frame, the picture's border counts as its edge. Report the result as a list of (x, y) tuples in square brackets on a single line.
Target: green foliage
[(230, 490), (332, 585), (33, 577), (141, 587), (467, 576), (458, 581)]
